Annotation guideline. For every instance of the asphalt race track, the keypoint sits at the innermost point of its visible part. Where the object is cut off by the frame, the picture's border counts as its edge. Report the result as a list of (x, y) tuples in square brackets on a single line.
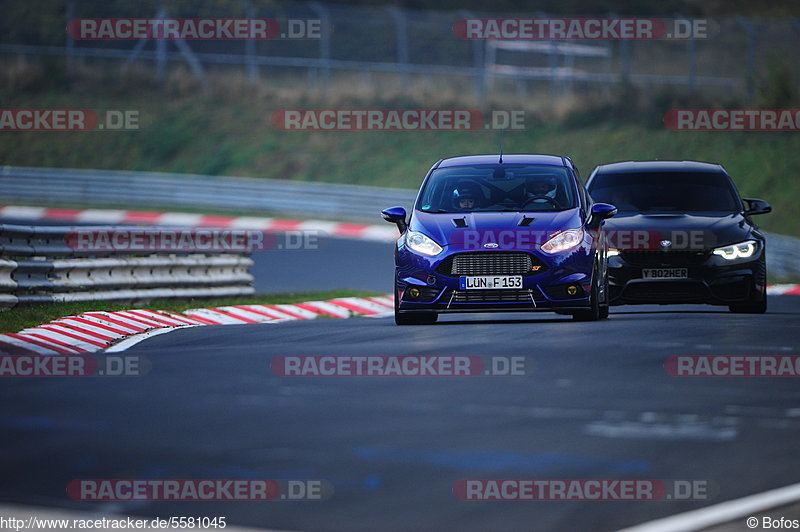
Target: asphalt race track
[(597, 404)]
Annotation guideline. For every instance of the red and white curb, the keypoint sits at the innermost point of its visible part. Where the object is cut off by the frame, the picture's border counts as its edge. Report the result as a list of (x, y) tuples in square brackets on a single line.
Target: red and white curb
[(379, 233), (91, 332), (784, 290)]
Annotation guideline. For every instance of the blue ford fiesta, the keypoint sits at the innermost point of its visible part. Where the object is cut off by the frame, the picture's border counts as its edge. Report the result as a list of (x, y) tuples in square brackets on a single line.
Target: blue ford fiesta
[(492, 233)]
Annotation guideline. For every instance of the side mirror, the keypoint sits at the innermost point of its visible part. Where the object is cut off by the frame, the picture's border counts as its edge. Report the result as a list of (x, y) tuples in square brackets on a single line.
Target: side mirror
[(396, 215), (757, 206), (602, 211)]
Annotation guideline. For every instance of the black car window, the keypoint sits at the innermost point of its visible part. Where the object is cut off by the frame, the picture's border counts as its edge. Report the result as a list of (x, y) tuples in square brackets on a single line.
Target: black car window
[(496, 187), (666, 192)]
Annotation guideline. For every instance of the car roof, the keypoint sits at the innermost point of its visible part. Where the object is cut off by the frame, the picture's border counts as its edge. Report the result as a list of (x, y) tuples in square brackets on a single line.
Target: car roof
[(552, 160), (659, 166)]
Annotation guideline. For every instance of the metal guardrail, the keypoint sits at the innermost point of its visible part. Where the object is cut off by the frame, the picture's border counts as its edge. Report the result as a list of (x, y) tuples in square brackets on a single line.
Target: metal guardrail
[(783, 256), (103, 187), (37, 266)]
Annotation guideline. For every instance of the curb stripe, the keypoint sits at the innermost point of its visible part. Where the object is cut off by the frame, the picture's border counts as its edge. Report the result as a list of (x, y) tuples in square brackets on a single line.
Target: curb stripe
[(63, 322), (48, 348), (71, 334), (126, 327), (47, 339)]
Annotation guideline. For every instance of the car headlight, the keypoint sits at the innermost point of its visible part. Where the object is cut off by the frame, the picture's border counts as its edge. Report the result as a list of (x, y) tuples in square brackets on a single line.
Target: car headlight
[(742, 250), (422, 243), (563, 241)]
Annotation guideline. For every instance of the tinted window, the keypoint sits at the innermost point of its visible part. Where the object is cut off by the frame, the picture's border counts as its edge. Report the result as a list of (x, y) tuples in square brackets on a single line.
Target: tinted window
[(495, 187), (666, 192)]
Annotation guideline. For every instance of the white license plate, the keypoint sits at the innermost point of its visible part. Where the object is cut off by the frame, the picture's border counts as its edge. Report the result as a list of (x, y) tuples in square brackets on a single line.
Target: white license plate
[(665, 273), (490, 282)]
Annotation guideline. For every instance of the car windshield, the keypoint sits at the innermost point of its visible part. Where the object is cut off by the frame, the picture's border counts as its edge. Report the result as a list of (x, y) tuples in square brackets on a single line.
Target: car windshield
[(498, 187), (667, 192)]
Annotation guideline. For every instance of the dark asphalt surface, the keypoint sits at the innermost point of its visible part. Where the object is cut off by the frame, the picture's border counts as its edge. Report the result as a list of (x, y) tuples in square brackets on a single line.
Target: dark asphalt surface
[(598, 405)]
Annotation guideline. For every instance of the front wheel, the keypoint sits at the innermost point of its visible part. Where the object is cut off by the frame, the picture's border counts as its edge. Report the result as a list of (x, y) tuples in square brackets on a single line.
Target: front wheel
[(597, 311), (757, 304), (412, 318)]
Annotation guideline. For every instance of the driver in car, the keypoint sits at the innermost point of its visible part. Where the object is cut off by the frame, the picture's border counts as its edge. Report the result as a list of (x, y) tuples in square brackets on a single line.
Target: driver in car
[(541, 189), (464, 198)]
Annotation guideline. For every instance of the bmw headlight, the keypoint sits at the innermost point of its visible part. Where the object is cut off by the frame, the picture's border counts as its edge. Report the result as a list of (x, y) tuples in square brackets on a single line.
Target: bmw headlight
[(563, 241), (422, 243), (742, 250)]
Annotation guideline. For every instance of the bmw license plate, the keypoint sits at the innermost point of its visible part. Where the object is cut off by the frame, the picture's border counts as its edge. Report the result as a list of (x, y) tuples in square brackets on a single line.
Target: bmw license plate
[(489, 282), (665, 273)]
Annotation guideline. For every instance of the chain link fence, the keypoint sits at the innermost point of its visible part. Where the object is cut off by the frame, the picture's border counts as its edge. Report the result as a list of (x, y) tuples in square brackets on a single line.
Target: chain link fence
[(407, 43)]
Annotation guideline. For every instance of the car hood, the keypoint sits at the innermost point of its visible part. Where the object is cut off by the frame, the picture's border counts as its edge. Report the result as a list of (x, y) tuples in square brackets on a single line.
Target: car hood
[(446, 228), (712, 230)]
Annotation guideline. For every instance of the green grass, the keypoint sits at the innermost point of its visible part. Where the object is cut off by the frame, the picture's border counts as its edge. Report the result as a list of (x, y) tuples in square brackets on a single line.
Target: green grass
[(230, 134), (22, 317)]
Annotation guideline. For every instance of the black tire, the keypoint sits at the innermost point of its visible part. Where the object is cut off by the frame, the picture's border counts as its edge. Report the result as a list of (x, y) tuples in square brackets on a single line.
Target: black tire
[(604, 305), (758, 304), (593, 313), (413, 318)]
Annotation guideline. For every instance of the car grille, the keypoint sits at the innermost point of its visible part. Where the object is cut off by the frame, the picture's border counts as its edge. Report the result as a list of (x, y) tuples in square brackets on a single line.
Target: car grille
[(491, 263), (495, 296), (664, 258)]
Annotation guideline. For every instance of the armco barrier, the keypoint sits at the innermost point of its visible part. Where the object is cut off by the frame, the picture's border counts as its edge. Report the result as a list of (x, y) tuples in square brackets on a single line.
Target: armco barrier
[(97, 188), (37, 266)]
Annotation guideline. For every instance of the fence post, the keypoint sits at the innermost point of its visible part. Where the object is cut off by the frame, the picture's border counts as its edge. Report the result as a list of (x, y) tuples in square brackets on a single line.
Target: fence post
[(250, 46), (70, 14), (752, 36), (478, 64), (325, 41), (161, 49), (401, 25)]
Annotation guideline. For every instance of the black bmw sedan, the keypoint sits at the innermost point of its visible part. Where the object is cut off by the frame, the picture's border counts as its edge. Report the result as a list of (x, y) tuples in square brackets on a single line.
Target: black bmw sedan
[(682, 234)]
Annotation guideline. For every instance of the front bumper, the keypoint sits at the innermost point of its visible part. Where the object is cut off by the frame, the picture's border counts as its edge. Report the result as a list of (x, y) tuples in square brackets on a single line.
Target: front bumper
[(428, 284), (710, 280)]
